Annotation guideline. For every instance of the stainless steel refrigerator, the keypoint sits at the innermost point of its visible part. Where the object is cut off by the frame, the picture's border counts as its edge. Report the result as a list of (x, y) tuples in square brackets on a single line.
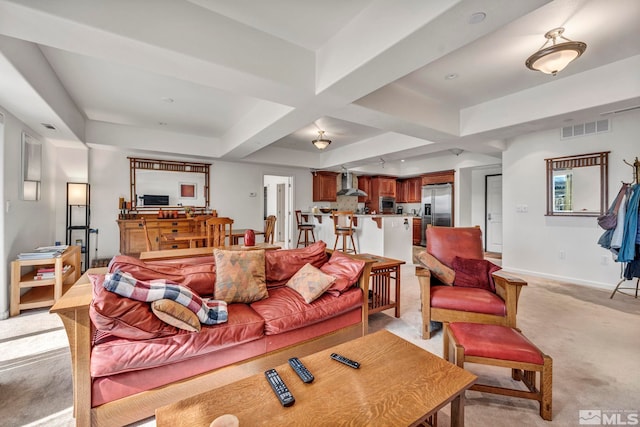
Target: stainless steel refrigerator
[(437, 207)]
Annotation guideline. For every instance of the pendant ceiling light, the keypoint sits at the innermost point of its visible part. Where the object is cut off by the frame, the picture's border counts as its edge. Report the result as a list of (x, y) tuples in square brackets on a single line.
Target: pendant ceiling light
[(321, 143), (557, 56)]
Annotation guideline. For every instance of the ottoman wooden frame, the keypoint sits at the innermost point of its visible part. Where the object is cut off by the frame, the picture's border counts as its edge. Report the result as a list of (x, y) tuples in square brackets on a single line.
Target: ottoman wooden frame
[(520, 370)]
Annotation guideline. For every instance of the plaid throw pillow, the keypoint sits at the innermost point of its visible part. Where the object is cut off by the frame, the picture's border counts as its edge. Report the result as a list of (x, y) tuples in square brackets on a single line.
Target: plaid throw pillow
[(124, 284)]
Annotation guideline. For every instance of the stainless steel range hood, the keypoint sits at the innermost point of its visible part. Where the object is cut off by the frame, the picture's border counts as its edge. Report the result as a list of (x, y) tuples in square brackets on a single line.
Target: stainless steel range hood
[(347, 186)]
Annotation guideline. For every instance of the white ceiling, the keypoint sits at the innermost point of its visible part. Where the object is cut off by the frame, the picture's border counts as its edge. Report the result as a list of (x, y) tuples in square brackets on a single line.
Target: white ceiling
[(254, 81)]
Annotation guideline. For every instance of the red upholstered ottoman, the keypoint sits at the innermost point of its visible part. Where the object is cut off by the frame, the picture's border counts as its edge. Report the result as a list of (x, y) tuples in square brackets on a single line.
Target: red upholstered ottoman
[(502, 346)]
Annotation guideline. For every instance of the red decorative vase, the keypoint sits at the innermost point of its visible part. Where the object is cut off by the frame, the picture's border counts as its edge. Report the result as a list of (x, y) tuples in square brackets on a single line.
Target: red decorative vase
[(249, 238)]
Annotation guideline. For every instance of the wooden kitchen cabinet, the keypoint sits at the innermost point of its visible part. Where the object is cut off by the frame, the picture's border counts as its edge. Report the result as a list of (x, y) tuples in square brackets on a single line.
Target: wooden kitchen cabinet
[(383, 186), (364, 184), (441, 177), (417, 231), (325, 186), (133, 240), (413, 190), (401, 191)]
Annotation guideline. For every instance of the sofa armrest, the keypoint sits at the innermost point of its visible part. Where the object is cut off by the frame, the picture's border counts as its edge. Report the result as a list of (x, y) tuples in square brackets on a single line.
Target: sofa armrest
[(508, 288), (73, 309)]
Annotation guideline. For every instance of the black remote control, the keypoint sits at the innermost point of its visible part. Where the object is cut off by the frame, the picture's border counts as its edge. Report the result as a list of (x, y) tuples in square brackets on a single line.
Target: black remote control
[(301, 370), (279, 387), (342, 359)]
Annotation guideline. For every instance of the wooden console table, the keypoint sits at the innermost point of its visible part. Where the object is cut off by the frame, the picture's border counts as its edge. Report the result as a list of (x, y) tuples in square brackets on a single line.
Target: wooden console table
[(44, 292)]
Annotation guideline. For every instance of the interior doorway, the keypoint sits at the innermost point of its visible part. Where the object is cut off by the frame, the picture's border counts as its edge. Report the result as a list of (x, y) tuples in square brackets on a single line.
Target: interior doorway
[(493, 213), (278, 198)]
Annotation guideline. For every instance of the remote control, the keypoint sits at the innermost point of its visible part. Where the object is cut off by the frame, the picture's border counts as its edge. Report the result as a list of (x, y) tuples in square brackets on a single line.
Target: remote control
[(301, 370), (279, 387), (342, 359)]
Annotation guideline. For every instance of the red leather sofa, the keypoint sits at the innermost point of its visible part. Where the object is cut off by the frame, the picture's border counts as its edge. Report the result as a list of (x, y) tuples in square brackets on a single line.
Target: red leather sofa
[(128, 362)]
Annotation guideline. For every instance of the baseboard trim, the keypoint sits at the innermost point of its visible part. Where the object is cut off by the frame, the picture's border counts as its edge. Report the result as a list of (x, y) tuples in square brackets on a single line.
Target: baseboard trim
[(592, 284)]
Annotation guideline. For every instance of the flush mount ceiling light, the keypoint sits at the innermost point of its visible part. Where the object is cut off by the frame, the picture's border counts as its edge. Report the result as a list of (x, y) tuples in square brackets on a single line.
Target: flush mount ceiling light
[(556, 57), (321, 143)]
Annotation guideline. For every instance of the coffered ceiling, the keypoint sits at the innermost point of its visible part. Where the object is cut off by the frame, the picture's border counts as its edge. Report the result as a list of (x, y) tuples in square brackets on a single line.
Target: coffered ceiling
[(254, 81)]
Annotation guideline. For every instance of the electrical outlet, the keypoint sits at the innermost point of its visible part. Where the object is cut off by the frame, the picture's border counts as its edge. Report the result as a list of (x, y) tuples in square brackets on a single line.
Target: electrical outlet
[(562, 255)]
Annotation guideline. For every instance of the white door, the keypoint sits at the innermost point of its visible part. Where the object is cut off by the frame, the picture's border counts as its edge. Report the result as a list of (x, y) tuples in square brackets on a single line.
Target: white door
[(493, 209)]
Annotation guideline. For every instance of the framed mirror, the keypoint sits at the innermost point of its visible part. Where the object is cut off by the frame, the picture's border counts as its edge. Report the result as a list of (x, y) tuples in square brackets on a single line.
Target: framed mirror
[(157, 184), (578, 185), (31, 167)]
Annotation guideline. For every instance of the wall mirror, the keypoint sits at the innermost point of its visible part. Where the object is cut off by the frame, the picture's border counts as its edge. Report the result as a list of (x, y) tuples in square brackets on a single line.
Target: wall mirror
[(31, 167), (155, 184), (578, 185)]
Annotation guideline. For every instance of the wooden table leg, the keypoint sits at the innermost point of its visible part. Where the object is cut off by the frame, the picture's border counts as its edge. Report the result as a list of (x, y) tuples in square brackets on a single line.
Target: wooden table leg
[(397, 273), (457, 411)]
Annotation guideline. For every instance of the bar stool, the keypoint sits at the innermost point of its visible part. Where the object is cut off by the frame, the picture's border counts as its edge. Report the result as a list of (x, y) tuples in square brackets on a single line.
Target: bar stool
[(343, 226), (306, 227)]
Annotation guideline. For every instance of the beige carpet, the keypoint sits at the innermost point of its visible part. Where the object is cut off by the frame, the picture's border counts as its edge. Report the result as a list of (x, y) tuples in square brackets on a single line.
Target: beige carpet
[(592, 339)]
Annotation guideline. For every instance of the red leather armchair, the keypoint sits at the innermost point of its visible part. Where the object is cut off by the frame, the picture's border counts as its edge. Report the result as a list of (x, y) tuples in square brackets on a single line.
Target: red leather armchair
[(464, 304)]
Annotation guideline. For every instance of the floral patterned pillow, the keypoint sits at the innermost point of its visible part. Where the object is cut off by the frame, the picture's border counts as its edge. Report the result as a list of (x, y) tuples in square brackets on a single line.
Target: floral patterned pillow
[(240, 276), (310, 282)]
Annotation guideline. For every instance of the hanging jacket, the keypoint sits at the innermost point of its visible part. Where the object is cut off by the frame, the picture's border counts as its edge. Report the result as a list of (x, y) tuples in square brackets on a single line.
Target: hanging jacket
[(618, 233), (628, 247)]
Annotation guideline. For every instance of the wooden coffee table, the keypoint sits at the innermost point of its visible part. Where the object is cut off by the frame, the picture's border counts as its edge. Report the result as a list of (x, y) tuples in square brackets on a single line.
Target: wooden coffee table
[(398, 384)]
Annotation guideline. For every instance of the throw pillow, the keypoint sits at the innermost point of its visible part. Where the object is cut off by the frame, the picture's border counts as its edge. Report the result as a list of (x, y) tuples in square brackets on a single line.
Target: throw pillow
[(176, 314), (310, 282), (123, 317), (443, 273), (345, 269), (474, 273), (124, 284), (240, 276)]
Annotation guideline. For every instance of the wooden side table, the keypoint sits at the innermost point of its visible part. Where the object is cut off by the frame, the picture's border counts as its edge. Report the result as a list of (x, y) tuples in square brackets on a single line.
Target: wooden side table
[(383, 272), (45, 292)]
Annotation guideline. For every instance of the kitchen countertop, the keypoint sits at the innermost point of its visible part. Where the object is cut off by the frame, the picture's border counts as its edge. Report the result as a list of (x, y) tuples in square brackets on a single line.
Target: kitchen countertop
[(364, 215)]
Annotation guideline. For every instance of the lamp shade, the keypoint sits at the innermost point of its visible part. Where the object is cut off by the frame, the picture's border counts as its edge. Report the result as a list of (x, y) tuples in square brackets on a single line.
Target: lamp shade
[(554, 58), (321, 143), (77, 193)]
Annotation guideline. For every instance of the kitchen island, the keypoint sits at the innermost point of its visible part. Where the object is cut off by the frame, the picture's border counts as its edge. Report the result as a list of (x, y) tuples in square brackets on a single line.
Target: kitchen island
[(386, 235)]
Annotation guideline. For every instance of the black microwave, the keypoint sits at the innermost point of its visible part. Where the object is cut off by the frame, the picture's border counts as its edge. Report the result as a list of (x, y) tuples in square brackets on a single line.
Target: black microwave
[(387, 205)]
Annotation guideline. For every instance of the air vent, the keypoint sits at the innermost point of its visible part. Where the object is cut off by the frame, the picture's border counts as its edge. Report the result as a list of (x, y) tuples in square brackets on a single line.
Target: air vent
[(583, 129)]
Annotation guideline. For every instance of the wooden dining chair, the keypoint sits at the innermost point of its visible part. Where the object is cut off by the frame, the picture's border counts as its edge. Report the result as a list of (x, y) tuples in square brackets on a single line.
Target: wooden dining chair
[(219, 231), (200, 226), (147, 240), (269, 228)]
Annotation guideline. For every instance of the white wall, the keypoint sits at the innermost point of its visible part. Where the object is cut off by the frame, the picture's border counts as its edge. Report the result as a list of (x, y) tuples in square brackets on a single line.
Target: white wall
[(533, 241), (231, 187), (27, 224)]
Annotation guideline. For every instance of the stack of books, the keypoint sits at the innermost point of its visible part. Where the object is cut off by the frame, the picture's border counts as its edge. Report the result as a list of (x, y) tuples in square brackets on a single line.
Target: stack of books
[(44, 252), (49, 272)]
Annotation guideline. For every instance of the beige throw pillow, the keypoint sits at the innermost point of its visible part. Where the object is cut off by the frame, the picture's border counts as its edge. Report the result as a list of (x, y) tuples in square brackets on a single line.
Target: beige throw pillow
[(310, 282), (240, 276), (443, 273), (176, 314)]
